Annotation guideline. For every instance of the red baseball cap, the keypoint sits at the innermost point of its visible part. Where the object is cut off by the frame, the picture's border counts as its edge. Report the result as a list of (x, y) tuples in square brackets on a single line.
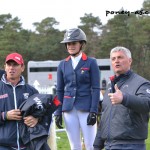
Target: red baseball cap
[(15, 57)]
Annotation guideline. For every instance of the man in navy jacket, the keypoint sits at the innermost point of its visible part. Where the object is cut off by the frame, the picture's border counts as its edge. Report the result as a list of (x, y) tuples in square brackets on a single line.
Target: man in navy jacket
[(78, 88), (13, 91)]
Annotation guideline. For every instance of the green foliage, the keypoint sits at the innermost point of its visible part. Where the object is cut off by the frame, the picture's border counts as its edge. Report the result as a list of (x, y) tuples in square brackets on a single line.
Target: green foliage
[(131, 31), (92, 27)]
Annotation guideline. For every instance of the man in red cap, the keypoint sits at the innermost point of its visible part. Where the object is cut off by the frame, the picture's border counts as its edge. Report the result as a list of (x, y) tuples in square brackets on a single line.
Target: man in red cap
[(13, 91)]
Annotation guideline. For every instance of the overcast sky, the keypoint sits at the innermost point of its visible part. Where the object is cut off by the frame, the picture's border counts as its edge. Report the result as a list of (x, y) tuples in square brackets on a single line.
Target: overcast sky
[(66, 12)]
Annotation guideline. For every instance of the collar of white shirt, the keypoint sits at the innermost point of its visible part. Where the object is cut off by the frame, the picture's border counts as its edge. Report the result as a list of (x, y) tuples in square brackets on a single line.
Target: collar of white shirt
[(75, 60)]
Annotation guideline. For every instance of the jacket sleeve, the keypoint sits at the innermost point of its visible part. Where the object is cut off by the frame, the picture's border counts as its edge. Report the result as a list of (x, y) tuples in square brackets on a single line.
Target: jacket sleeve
[(140, 102), (95, 84)]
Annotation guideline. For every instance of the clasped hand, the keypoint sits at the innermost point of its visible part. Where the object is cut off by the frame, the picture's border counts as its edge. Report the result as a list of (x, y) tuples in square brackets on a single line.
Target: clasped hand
[(15, 114)]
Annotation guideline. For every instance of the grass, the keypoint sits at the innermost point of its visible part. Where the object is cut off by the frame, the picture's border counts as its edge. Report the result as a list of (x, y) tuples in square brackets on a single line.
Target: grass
[(63, 144), (62, 141), (148, 139)]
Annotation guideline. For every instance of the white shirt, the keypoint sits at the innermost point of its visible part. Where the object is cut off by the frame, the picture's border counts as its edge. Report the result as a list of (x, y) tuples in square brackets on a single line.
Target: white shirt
[(75, 60)]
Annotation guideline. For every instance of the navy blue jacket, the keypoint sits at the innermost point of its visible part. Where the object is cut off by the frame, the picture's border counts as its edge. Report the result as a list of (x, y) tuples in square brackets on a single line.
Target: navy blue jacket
[(40, 106), (11, 97), (79, 87)]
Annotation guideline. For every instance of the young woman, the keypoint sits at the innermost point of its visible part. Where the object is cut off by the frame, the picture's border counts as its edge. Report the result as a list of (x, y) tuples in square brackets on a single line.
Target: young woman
[(78, 86)]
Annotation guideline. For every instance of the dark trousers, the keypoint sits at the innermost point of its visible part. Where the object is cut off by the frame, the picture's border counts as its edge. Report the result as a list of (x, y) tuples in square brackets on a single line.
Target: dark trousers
[(9, 148)]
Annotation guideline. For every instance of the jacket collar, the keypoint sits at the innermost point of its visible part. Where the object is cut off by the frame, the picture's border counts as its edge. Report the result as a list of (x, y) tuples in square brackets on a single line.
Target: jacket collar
[(122, 76), (21, 82), (84, 57)]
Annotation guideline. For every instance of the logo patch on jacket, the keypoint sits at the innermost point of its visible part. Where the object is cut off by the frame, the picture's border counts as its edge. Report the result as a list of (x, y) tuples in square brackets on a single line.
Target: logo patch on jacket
[(26, 95), (38, 102), (3, 96), (125, 86), (84, 69), (148, 91)]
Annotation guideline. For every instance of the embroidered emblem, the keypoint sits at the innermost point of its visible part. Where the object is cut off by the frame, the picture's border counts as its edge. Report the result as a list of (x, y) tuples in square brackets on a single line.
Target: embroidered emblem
[(125, 86), (109, 89), (26, 95), (38, 102), (17, 58), (67, 96), (148, 91), (3, 96), (83, 69)]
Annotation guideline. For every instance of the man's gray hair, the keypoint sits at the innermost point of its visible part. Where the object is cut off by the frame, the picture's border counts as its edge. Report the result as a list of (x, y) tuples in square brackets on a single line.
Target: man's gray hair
[(120, 48)]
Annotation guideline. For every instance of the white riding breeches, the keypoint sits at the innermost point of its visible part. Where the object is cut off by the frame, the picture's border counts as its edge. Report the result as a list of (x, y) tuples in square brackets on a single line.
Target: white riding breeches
[(76, 125)]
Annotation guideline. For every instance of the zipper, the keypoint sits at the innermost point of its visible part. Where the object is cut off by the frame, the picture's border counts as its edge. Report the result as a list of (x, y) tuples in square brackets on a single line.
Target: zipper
[(15, 102)]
